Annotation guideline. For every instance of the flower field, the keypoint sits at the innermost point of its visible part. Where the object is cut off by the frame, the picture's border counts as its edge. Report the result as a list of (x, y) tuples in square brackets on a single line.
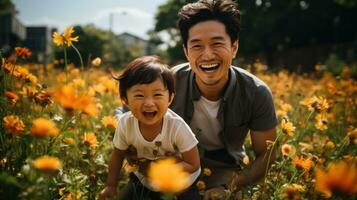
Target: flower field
[(57, 127)]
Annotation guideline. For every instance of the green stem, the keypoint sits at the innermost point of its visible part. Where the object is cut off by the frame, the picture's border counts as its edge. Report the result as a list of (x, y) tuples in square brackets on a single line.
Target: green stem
[(65, 61), (80, 56)]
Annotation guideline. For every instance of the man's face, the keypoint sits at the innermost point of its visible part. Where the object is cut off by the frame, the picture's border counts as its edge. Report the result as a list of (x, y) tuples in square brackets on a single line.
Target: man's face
[(210, 52)]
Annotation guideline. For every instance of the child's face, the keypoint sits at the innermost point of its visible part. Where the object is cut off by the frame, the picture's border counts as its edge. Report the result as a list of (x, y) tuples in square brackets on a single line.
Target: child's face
[(149, 102)]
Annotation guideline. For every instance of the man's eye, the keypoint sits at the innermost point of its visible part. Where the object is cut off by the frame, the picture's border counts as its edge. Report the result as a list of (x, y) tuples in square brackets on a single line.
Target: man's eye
[(196, 46)]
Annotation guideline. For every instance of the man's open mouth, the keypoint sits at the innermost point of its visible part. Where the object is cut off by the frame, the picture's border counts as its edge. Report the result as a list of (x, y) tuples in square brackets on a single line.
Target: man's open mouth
[(209, 67)]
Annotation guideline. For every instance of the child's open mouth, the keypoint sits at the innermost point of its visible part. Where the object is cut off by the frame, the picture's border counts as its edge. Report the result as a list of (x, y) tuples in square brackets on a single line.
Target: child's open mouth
[(149, 114)]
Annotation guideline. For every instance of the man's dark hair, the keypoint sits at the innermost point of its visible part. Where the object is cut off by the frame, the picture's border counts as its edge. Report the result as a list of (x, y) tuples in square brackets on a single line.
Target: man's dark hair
[(145, 70), (224, 11)]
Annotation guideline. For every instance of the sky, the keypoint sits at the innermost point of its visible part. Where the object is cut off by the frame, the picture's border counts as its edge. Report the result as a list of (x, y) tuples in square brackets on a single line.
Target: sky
[(133, 16)]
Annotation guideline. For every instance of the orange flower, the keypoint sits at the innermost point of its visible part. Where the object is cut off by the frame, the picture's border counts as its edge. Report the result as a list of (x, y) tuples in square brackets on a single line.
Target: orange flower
[(47, 163), (13, 97), (304, 164), (340, 178), (13, 125), (69, 99), (43, 98), (162, 173), (287, 127), (287, 150), (109, 121), (301, 163), (43, 127), (90, 140), (23, 52)]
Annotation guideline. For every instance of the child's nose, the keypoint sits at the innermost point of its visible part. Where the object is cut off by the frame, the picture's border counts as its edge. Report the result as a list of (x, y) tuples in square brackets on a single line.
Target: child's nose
[(149, 102)]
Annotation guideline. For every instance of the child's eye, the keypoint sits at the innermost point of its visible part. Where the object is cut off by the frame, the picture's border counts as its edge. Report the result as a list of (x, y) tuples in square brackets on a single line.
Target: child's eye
[(138, 95), (158, 95)]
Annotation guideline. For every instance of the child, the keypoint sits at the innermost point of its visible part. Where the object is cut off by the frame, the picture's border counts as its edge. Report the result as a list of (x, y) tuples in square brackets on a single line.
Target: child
[(150, 131)]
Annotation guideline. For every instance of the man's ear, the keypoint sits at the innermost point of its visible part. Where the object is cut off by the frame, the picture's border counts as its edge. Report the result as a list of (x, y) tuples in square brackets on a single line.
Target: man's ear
[(235, 47), (185, 51)]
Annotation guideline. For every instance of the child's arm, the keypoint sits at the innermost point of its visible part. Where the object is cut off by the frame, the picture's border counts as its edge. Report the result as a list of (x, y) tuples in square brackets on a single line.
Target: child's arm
[(115, 164), (191, 160)]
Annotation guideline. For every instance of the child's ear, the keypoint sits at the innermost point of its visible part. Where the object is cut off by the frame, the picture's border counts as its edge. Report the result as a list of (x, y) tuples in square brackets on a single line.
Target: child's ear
[(171, 98), (124, 101)]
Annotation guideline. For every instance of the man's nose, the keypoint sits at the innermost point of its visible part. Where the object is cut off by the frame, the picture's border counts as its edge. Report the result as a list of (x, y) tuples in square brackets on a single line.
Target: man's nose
[(207, 53)]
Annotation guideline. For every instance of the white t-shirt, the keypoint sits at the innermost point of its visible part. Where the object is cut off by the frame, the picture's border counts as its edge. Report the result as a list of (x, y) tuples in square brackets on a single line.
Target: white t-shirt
[(175, 135), (205, 124)]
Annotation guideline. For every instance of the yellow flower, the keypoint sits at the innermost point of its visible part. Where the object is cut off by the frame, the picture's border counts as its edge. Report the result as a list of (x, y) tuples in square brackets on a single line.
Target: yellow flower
[(287, 150), (287, 127), (109, 121), (90, 140), (321, 122), (96, 62), (65, 38), (47, 163), (340, 177), (207, 172), (43, 127), (330, 145), (292, 191), (352, 135), (168, 176), (201, 185), (68, 140), (13, 125)]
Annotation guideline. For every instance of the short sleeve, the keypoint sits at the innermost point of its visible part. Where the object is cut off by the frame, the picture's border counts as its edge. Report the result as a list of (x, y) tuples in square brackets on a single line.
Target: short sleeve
[(185, 139), (263, 113), (119, 139)]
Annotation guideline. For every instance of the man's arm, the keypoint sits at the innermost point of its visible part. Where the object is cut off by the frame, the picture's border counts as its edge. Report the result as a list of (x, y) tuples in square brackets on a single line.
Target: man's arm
[(264, 158)]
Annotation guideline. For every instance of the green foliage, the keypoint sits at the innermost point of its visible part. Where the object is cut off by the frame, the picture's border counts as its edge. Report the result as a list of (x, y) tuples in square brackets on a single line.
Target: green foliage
[(270, 27)]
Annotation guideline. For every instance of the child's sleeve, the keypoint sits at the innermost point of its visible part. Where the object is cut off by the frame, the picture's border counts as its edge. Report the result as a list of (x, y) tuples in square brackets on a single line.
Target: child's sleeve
[(185, 138), (119, 139)]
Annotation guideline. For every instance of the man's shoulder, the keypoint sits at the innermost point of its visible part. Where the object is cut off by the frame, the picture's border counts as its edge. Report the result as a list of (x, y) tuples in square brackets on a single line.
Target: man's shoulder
[(248, 78), (181, 68)]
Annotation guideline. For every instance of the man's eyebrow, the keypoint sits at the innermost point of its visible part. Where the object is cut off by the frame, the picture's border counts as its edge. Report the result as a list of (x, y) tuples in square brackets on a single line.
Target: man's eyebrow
[(194, 40)]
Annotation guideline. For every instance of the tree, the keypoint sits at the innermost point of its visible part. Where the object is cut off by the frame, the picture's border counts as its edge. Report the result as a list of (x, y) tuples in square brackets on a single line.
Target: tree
[(274, 29)]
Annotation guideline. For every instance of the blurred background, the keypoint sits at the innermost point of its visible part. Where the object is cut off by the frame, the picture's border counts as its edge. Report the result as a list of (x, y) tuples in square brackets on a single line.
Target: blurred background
[(296, 35)]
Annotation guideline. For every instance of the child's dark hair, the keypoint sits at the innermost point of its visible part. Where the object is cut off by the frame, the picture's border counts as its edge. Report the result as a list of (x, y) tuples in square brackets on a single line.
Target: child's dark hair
[(145, 70)]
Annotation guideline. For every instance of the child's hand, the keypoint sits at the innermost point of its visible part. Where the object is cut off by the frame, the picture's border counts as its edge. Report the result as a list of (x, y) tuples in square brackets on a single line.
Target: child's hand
[(108, 191)]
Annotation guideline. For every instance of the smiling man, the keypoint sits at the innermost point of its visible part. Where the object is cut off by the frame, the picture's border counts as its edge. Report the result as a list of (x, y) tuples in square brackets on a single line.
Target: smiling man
[(221, 102)]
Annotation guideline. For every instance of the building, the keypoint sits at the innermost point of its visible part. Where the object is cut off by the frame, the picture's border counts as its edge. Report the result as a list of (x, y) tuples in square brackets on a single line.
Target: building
[(131, 40), (12, 31), (38, 39)]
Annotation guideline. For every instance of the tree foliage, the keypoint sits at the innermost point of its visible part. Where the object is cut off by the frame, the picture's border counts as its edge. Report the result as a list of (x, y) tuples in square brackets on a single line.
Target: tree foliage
[(272, 27)]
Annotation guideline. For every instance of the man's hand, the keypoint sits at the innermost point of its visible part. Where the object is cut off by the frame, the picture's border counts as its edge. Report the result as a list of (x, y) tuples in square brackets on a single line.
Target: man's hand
[(215, 193), (108, 191)]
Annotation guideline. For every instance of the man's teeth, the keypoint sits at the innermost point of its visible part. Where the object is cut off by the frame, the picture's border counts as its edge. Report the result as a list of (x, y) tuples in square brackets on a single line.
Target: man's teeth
[(209, 66)]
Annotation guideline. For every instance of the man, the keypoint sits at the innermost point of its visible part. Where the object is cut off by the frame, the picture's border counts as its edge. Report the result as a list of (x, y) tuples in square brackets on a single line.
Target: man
[(220, 102)]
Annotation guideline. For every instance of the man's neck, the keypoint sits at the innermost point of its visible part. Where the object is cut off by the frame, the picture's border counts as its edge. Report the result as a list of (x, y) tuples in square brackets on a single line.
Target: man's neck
[(212, 92)]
